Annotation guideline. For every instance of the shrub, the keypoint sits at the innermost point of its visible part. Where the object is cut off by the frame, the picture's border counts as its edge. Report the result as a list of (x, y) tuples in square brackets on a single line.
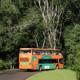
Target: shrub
[(3, 65)]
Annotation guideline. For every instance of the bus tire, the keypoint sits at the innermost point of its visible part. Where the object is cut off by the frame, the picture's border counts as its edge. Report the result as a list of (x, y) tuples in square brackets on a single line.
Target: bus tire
[(57, 66), (40, 68)]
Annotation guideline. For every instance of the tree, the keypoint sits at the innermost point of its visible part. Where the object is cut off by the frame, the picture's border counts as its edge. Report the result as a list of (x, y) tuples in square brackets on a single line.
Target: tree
[(51, 13), (72, 44)]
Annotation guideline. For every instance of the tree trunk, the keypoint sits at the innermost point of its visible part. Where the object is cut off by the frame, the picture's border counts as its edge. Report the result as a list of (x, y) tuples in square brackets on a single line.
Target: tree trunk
[(50, 40), (51, 16), (44, 40), (10, 64)]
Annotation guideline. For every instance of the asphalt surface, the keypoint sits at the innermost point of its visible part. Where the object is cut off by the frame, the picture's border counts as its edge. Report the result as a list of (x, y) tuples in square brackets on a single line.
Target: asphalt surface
[(16, 75)]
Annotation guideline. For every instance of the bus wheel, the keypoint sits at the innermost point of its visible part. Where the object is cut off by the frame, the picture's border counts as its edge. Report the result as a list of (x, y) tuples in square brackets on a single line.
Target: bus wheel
[(40, 68), (57, 66)]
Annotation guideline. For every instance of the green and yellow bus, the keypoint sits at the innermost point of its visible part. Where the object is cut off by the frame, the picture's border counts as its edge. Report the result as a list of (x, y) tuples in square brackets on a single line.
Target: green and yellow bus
[(40, 59)]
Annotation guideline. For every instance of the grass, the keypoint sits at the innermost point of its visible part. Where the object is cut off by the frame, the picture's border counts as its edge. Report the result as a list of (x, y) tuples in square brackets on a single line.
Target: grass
[(54, 75)]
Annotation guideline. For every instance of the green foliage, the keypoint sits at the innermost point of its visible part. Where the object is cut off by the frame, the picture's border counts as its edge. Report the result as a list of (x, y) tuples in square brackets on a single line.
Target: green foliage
[(8, 6), (72, 44), (32, 17), (3, 65)]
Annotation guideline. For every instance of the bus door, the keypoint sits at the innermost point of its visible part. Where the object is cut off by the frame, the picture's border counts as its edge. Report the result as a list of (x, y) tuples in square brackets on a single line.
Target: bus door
[(60, 63)]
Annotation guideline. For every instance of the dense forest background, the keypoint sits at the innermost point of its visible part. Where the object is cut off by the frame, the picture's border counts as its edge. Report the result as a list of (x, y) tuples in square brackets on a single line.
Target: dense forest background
[(40, 23)]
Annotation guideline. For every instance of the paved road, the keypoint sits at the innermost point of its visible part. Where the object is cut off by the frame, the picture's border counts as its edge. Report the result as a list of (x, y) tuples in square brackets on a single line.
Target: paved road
[(13, 75)]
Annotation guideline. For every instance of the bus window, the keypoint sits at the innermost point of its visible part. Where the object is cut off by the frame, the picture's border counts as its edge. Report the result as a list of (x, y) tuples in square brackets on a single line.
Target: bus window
[(45, 61), (55, 52), (48, 61), (61, 61), (25, 51), (24, 59), (38, 51), (55, 60)]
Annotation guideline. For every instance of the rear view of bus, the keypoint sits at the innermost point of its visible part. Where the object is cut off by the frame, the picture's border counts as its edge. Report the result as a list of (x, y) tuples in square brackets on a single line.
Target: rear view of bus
[(25, 56)]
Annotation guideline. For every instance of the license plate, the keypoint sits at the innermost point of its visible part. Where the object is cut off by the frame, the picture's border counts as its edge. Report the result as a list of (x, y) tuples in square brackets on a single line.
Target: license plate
[(46, 67), (23, 63)]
